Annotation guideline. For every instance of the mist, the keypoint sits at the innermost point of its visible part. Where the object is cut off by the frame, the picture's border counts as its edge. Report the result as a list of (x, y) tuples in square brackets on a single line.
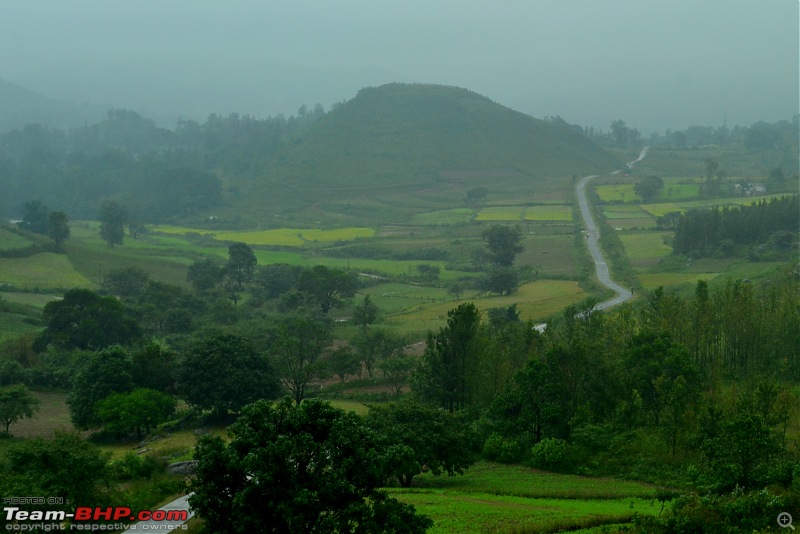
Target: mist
[(654, 64)]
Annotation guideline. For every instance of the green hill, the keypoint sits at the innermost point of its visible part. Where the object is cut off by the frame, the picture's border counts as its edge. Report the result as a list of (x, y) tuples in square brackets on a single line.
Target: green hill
[(400, 148)]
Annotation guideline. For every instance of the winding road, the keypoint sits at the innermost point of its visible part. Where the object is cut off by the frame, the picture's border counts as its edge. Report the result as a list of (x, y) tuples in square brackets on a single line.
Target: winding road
[(593, 241)]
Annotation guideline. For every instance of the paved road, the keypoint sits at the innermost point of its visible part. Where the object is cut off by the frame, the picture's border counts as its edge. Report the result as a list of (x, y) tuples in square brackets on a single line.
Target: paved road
[(593, 238)]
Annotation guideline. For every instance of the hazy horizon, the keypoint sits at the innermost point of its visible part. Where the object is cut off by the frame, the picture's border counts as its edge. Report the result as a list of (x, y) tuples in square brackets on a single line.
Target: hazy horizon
[(654, 64)]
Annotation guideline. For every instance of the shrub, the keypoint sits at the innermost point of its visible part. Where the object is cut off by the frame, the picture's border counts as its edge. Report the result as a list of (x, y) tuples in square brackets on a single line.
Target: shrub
[(500, 449), (550, 453)]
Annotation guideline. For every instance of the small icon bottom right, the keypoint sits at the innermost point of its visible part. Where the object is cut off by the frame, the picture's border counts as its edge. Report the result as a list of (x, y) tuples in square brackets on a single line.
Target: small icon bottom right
[(785, 520)]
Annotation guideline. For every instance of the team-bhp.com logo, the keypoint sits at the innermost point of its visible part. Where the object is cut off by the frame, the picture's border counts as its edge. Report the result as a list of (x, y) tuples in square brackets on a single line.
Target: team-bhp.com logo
[(87, 518)]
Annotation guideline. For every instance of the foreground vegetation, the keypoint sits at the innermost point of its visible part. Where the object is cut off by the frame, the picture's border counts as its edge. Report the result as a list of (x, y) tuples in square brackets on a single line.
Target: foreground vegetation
[(675, 413)]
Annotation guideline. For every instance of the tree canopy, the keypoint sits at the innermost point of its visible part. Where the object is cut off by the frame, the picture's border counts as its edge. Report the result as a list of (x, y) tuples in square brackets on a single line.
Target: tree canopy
[(304, 469)]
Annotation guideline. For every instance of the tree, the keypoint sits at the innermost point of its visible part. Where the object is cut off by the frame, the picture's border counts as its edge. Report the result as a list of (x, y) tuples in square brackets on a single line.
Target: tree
[(342, 361), (648, 187), (364, 314), (224, 372), (58, 227), (376, 345), (35, 217), (298, 469), (476, 195), (204, 274), (504, 244), (134, 412), (501, 280), (112, 223), (85, 320), (153, 367), (438, 440), (16, 402), (65, 468), (241, 263), (298, 349), (327, 286), (397, 370), (102, 374), (126, 282), (446, 375)]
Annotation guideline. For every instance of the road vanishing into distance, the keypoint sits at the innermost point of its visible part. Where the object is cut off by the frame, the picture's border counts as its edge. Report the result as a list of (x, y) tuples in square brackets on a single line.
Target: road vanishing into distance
[(593, 241)]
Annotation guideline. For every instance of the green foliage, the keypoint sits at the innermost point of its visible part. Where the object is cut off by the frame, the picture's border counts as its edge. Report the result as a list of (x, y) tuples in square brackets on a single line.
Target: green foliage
[(327, 286), (648, 188), (500, 449), (446, 374), (737, 512), (58, 227), (132, 466), (241, 263), (504, 243), (100, 375), (551, 454), (135, 412), (112, 219), (204, 274), (126, 282), (298, 348), (311, 468), (65, 467), (224, 372), (429, 437), (85, 320), (16, 402)]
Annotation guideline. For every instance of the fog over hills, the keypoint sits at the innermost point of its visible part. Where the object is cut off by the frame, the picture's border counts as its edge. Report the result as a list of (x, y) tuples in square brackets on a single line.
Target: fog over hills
[(654, 64)]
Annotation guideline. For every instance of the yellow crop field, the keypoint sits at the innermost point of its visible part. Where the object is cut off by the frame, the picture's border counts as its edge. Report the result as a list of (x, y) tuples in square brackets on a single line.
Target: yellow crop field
[(287, 237), (553, 212), (509, 213), (662, 209)]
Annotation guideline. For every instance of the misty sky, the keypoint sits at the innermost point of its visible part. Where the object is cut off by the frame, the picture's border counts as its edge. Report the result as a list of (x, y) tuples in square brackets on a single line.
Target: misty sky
[(655, 64)]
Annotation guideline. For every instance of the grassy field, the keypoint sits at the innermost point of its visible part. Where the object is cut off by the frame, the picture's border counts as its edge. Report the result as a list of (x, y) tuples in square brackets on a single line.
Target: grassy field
[(287, 237), (445, 217), (550, 212), (644, 249), (43, 271), (492, 497), (12, 241)]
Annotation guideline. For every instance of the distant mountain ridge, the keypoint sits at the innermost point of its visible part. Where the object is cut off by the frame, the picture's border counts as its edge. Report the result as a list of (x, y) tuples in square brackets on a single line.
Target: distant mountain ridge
[(20, 106)]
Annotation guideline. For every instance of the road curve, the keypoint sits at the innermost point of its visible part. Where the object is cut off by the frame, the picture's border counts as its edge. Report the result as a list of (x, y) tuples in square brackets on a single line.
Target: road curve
[(593, 241)]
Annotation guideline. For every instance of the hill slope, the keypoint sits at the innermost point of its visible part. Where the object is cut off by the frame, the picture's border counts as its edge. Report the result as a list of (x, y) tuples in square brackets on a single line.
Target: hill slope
[(20, 106), (428, 140)]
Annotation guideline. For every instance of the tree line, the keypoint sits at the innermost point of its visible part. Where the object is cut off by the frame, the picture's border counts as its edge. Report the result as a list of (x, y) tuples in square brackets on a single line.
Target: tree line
[(157, 172), (710, 231)]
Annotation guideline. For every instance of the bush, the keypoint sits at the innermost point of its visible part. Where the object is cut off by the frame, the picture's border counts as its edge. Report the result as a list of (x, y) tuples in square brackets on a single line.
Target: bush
[(551, 454), (132, 466), (500, 449)]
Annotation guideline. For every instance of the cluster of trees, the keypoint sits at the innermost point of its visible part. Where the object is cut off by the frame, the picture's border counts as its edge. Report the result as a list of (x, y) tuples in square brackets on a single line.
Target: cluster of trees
[(705, 232), (758, 136), (37, 218), (156, 172)]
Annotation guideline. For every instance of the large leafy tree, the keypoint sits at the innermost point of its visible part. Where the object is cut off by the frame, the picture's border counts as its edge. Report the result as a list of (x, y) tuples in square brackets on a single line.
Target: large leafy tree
[(304, 469), (327, 286), (437, 440), (224, 372), (65, 467), (112, 222), (299, 346), (16, 402), (135, 412), (35, 217), (58, 227), (241, 263), (504, 243), (85, 320), (103, 373)]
